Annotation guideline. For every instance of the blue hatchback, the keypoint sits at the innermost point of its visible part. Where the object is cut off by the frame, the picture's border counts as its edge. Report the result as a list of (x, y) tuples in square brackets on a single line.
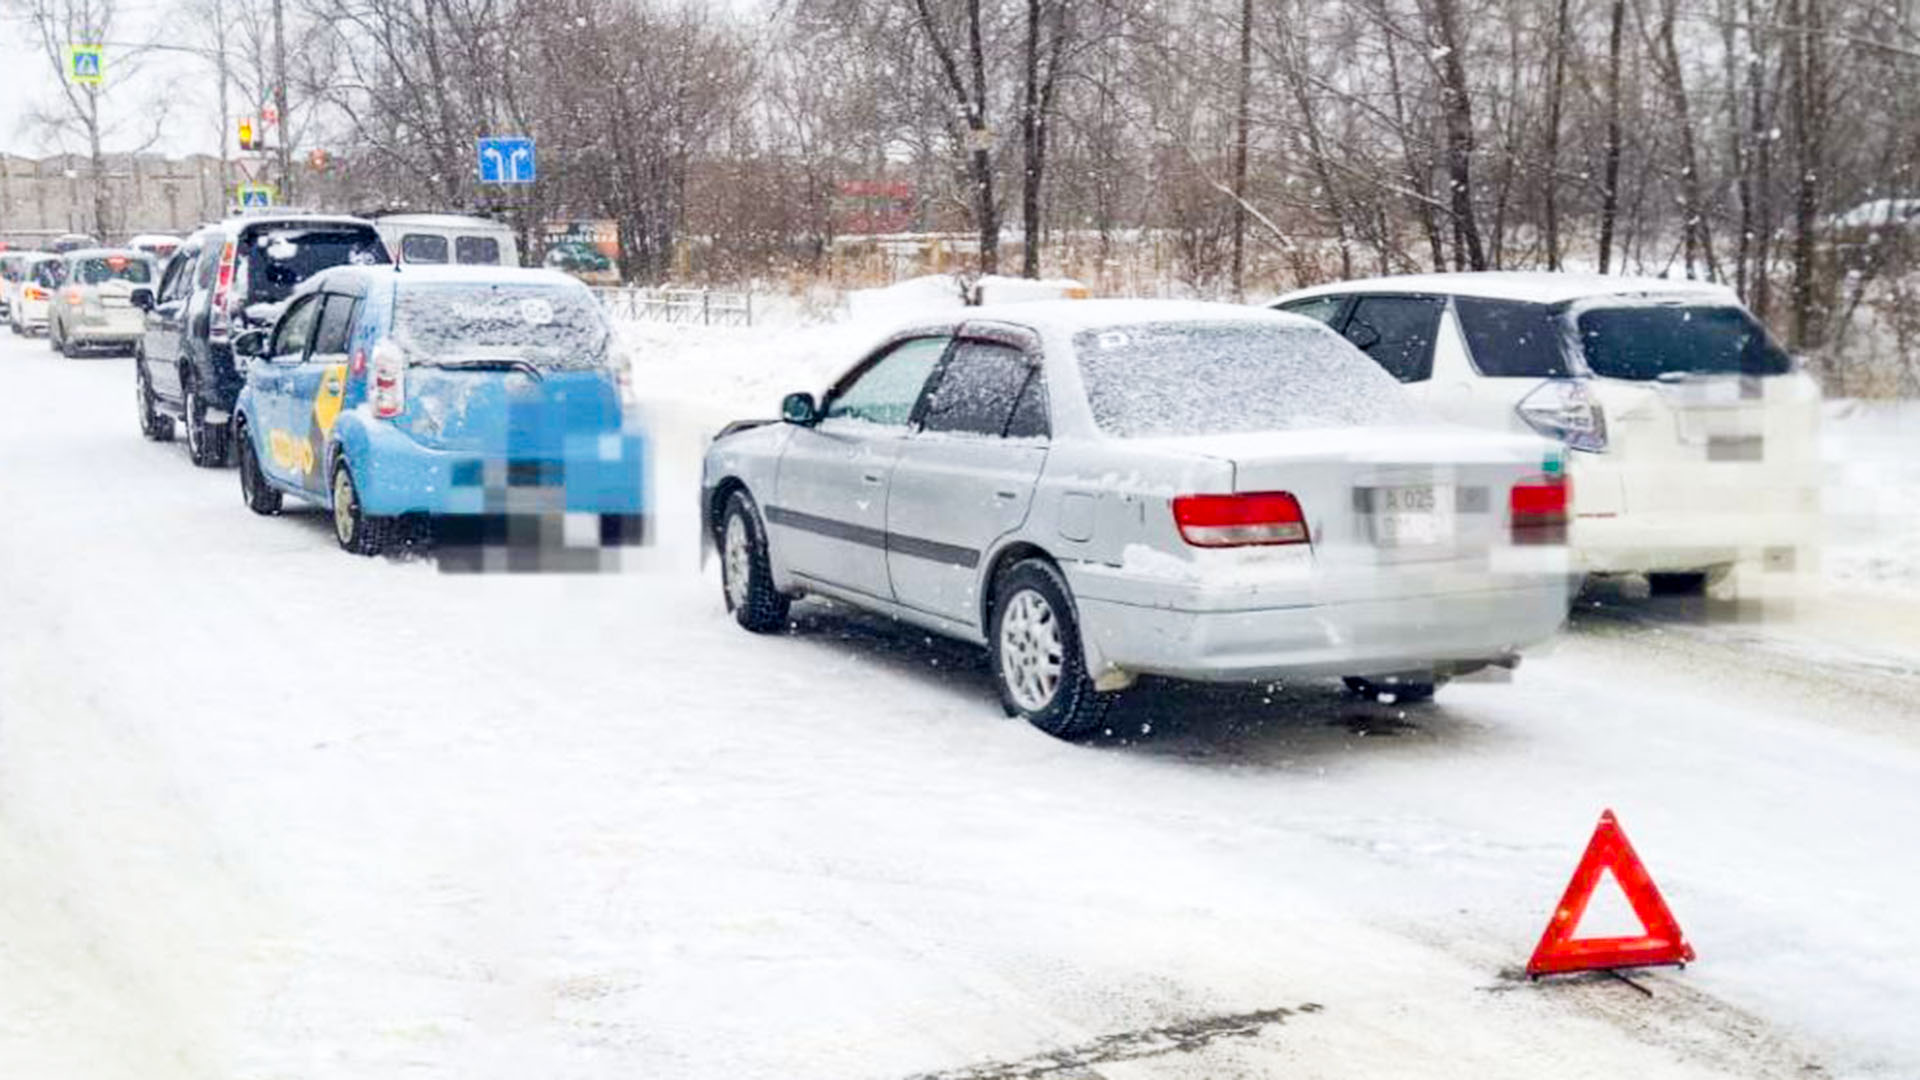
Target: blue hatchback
[(486, 400)]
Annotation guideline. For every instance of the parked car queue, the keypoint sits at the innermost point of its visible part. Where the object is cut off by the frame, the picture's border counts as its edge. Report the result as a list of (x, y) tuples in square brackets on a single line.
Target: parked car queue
[(1378, 481)]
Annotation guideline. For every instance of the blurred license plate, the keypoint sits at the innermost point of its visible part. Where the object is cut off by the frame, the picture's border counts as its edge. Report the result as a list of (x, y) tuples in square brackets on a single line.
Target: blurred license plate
[(113, 301), (1411, 515)]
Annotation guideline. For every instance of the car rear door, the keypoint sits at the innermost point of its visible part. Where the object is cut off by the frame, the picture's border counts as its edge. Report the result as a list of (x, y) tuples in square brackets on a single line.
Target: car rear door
[(317, 384), (160, 335), (828, 518), (965, 477), (274, 377)]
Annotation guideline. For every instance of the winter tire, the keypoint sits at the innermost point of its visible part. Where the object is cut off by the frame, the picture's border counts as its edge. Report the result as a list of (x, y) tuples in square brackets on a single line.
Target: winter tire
[(152, 425), (746, 573), (1401, 691), (357, 533), (206, 443), (260, 496), (1038, 664)]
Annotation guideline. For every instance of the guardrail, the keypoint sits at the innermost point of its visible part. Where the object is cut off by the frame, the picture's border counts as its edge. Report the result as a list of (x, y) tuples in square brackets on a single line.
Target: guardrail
[(689, 307)]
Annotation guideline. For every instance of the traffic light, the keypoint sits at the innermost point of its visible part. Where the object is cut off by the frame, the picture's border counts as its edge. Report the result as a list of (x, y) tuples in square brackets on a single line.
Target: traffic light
[(249, 135)]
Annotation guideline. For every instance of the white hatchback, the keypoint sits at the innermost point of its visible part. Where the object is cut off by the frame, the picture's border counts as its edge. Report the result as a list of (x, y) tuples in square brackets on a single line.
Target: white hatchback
[(1695, 434)]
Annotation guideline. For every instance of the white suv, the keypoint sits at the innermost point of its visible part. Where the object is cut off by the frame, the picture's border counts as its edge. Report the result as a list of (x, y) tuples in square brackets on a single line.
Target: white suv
[(1696, 436)]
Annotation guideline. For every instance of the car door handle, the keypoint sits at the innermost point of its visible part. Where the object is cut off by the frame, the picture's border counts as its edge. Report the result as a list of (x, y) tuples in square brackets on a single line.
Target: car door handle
[(870, 478), (1007, 495)]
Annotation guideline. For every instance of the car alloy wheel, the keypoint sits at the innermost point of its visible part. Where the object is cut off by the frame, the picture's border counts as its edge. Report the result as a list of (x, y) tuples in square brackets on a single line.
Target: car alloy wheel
[(196, 424), (737, 561), (345, 508), (1031, 654)]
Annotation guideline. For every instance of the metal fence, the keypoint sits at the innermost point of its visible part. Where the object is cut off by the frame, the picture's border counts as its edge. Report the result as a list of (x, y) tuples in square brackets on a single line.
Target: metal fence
[(691, 307)]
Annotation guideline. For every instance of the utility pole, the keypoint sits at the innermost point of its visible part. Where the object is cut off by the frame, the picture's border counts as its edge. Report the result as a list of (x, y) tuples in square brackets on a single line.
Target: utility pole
[(226, 121), (285, 123)]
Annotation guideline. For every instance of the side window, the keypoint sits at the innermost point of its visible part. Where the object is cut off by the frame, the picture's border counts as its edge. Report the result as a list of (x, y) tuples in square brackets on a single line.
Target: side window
[(1322, 308), (886, 392), (1030, 412), (335, 319), (423, 248), (976, 389), (476, 251), (1510, 338), (1398, 332), (209, 265), (296, 328)]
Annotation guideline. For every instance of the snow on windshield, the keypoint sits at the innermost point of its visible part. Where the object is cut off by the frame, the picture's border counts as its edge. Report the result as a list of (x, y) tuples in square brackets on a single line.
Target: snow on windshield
[(550, 326), (1647, 340), (1209, 378)]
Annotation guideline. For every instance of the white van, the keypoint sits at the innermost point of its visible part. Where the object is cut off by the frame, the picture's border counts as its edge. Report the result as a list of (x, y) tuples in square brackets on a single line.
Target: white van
[(1694, 436), (448, 239)]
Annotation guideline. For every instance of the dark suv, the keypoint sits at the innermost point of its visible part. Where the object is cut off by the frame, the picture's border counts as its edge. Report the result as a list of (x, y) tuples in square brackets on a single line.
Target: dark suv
[(227, 278)]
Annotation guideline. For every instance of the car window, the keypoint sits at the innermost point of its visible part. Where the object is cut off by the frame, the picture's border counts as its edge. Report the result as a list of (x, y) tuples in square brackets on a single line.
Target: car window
[(296, 328), (1648, 340), (1511, 338), (1322, 308), (1215, 377), (180, 271), (51, 273), (423, 248), (209, 266), (549, 326), (280, 258), (476, 251), (976, 389), (1029, 419), (99, 269), (336, 318), (886, 392), (1398, 332)]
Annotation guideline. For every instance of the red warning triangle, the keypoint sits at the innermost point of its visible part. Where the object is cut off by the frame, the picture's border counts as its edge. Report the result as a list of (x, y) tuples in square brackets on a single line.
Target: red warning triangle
[(1662, 943)]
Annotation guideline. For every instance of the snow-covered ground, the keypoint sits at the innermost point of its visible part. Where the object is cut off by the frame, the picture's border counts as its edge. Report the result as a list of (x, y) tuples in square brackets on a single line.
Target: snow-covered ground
[(269, 811)]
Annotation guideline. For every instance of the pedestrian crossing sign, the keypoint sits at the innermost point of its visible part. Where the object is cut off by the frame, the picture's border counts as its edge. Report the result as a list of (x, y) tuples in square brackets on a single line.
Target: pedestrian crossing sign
[(86, 64), (255, 196)]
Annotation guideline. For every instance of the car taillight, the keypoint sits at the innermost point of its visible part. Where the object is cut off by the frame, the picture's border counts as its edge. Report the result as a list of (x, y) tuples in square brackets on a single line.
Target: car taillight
[(1537, 508), (389, 380), (1565, 409), (221, 286), (75, 298), (359, 361), (34, 293), (1260, 517)]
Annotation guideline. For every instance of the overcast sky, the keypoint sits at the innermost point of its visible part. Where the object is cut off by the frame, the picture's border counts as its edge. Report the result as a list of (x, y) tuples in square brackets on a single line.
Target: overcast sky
[(137, 85)]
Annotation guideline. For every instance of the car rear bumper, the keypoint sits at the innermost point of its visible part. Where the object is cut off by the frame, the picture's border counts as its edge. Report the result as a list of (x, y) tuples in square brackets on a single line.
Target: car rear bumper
[(592, 475), (1657, 543), (1374, 636)]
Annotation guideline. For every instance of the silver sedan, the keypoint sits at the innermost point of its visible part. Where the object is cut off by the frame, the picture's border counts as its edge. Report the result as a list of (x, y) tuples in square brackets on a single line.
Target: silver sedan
[(1097, 490)]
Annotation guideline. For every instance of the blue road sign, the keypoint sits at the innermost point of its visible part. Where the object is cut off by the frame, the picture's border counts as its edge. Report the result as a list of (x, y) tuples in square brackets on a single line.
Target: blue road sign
[(255, 196), (507, 160)]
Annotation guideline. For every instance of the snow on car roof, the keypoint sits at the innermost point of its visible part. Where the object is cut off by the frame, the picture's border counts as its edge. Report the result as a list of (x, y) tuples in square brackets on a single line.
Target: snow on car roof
[(1071, 316), (1539, 287), (438, 274), (443, 221)]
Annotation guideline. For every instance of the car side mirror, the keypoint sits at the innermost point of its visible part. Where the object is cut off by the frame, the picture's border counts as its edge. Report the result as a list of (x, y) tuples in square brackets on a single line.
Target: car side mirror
[(250, 343), (141, 298), (1364, 337), (799, 409)]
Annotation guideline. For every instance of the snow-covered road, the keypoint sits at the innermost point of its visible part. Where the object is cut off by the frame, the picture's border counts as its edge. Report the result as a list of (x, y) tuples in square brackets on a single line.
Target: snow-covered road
[(270, 811)]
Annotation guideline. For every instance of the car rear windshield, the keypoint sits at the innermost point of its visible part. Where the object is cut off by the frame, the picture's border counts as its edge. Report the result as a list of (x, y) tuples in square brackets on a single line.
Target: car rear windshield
[(546, 325), (1209, 378), (1647, 341), (1512, 338), (279, 259), (94, 271)]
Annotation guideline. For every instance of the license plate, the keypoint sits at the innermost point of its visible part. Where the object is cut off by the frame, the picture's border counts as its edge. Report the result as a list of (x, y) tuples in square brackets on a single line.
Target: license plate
[(113, 301), (1413, 515)]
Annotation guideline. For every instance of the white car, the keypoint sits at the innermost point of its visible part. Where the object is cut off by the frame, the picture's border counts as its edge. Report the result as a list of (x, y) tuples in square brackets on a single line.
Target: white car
[(1101, 489), (1694, 436), (30, 299), (448, 240)]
